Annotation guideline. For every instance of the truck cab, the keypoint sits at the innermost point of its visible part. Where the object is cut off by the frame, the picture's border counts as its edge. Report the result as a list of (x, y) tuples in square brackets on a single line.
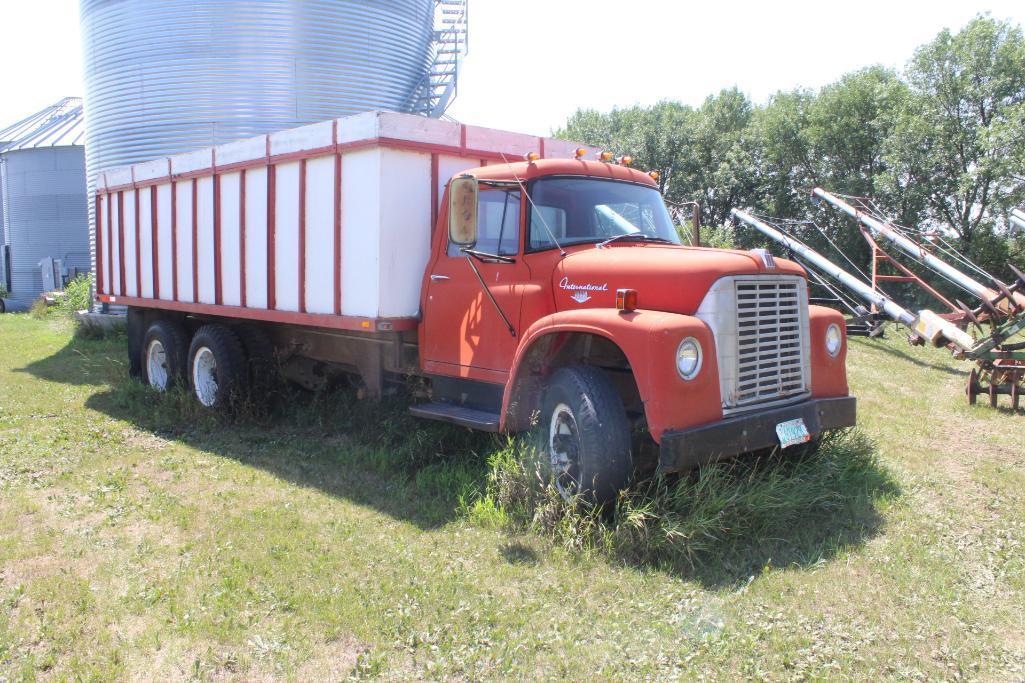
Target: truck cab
[(558, 297)]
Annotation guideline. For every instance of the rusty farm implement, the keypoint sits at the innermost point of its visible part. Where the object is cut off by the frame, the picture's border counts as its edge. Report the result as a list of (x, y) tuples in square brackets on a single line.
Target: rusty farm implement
[(990, 334)]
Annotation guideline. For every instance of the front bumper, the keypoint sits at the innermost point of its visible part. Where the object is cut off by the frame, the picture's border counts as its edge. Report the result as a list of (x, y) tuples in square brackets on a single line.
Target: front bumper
[(689, 448)]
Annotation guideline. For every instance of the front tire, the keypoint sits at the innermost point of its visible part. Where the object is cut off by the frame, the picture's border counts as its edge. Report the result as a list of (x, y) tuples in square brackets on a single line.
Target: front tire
[(218, 372), (586, 435)]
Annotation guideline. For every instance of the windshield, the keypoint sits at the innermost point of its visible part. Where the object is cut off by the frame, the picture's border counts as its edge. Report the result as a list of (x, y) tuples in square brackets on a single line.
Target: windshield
[(576, 210)]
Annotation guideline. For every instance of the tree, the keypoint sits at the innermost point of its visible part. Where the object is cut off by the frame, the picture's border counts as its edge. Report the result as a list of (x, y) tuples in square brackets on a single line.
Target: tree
[(948, 148)]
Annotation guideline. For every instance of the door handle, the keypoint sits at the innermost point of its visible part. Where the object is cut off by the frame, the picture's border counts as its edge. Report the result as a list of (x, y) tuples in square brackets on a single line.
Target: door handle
[(439, 278)]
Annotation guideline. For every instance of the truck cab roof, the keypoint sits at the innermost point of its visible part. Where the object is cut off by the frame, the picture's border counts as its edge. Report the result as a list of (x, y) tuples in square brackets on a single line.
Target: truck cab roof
[(530, 170)]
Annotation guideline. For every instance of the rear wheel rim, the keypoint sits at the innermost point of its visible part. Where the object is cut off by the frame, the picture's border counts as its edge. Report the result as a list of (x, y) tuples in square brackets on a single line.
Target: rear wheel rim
[(204, 376), (564, 450), (156, 365)]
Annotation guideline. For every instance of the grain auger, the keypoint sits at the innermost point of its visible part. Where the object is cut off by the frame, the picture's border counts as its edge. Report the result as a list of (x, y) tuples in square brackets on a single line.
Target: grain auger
[(999, 356)]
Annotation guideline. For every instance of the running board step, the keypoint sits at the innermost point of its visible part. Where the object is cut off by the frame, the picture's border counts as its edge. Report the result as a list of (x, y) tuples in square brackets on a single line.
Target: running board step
[(465, 417)]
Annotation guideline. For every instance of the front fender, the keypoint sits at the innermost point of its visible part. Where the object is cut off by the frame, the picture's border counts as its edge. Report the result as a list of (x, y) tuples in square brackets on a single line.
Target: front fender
[(828, 374), (649, 340)]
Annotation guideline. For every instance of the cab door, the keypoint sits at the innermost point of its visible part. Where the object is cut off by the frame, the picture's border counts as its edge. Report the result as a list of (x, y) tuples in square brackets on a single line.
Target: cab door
[(464, 331)]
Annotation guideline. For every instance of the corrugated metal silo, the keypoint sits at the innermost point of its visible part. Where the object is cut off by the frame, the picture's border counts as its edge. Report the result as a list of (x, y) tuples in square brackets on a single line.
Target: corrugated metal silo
[(168, 76), (43, 195)]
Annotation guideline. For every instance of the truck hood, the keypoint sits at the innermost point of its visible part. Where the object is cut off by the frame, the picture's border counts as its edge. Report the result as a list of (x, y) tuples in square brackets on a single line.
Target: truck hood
[(667, 277)]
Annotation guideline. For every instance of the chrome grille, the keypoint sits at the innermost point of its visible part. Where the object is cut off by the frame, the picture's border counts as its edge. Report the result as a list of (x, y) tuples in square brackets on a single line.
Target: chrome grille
[(770, 359)]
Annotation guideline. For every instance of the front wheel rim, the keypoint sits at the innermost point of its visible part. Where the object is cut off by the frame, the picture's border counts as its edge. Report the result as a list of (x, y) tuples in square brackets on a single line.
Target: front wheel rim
[(204, 376), (564, 450), (156, 365)]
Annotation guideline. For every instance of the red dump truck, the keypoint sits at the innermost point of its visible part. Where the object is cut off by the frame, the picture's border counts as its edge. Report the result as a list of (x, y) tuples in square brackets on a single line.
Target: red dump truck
[(526, 282)]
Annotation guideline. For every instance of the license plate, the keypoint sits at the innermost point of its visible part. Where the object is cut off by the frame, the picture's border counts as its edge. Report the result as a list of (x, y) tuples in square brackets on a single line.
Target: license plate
[(792, 432)]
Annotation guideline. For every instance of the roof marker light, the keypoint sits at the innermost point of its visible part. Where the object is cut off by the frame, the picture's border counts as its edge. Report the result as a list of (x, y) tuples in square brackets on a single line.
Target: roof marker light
[(580, 152), (532, 156), (605, 156), (655, 175), (626, 159)]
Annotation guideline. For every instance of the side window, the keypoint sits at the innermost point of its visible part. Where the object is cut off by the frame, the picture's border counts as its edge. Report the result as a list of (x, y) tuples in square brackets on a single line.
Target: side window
[(552, 217), (498, 223)]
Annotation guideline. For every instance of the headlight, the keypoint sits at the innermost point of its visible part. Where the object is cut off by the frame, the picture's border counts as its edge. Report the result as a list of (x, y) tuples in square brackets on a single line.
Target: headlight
[(688, 358), (834, 339)]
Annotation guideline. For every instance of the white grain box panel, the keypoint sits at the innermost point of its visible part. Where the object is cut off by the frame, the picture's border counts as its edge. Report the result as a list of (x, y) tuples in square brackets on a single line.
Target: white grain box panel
[(145, 243), (286, 237), (418, 129), (117, 287), (241, 151), (361, 187), (183, 234), (256, 238), (405, 230), (359, 127), (314, 136), (151, 170), (109, 255), (513, 145), (320, 235), (165, 254), (205, 269), (230, 254), (192, 161)]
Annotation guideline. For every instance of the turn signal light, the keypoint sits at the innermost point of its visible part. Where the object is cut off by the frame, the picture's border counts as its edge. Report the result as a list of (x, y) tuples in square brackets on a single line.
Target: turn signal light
[(626, 160), (626, 299), (605, 156), (532, 156), (655, 175), (581, 151)]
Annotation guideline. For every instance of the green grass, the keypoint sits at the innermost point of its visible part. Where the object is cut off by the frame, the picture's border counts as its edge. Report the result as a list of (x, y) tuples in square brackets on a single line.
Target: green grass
[(141, 538)]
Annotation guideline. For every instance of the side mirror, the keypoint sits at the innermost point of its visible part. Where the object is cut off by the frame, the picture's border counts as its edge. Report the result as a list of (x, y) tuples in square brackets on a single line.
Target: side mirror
[(462, 211)]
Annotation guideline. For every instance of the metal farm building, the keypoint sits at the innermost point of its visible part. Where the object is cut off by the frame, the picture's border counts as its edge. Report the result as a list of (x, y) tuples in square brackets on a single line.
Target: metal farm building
[(44, 211)]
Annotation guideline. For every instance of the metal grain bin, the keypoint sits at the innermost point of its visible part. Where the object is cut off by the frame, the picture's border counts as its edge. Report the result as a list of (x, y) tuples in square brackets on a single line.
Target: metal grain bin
[(168, 76), (43, 194)]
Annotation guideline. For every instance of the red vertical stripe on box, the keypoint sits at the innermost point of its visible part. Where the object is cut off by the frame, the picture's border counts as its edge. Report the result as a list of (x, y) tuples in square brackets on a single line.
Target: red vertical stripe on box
[(154, 240), (195, 240), (217, 239), (302, 236), (174, 240), (110, 244), (138, 248), (242, 236), (271, 227), (338, 234), (98, 221), (121, 288), (434, 190)]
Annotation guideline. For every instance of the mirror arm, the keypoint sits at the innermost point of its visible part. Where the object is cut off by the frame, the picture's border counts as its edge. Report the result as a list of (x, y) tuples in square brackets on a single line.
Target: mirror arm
[(491, 297)]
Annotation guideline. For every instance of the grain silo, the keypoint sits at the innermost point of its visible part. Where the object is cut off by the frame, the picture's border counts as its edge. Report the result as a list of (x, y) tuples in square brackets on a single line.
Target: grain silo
[(43, 207), (169, 76)]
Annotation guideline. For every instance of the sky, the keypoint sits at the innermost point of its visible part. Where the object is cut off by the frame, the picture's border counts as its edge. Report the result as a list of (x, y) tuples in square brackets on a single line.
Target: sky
[(532, 63)]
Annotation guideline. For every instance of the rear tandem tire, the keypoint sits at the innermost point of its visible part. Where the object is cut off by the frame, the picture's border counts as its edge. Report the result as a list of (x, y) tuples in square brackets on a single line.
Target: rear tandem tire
[(163, 356), (586, 435), (218, 372)]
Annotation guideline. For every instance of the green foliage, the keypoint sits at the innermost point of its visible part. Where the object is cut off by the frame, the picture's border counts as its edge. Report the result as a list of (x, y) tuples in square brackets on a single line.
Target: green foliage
[(941, 145), (683, 521), (39, 309), (958, 121), (75, 296)]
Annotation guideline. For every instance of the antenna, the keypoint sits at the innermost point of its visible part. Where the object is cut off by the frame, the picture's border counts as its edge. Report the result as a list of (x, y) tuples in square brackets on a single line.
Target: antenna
[(533, 205)]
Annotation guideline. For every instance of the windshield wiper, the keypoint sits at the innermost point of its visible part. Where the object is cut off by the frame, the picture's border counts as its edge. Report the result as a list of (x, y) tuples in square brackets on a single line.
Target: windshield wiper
[(634, 235), (485, 257)]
